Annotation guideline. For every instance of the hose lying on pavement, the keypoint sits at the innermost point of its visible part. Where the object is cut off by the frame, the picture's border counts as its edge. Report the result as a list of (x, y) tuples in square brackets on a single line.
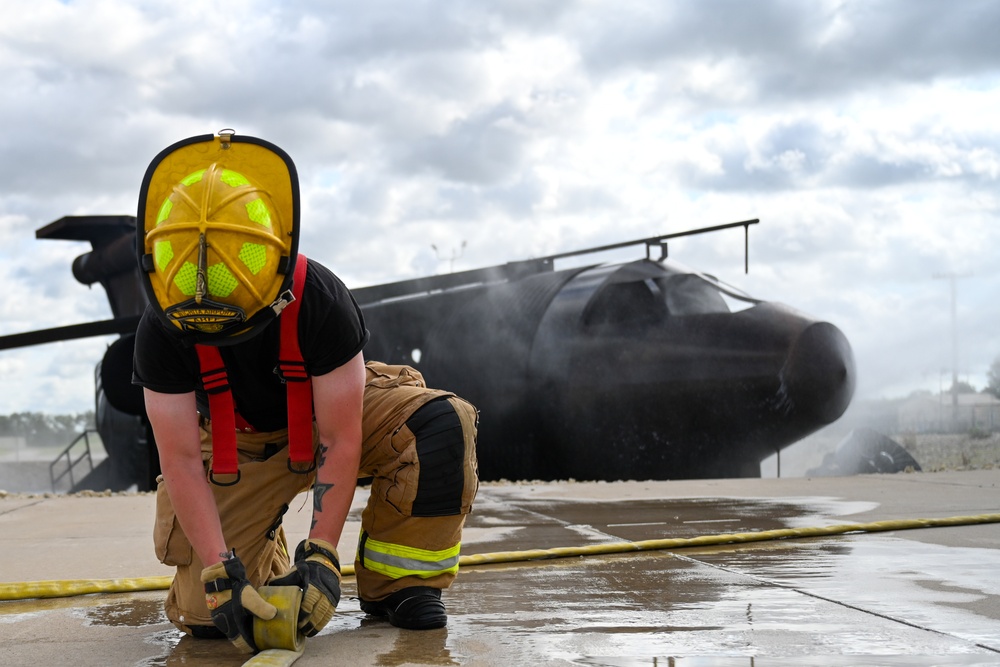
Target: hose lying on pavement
[(67, 588)]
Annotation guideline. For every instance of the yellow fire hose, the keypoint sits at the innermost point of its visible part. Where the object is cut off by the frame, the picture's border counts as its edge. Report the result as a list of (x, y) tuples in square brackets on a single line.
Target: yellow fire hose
[(68, 588)]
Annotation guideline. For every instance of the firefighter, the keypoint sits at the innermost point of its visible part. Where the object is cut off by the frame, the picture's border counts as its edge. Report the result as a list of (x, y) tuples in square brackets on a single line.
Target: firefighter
[(250, 359)]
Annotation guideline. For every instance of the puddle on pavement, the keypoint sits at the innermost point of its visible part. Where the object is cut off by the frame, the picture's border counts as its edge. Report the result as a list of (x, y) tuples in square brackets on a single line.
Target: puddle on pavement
[(539, 524), (949, 590), (179, 649), (129, 609), (422, 648), (12, 610), (133, 613)]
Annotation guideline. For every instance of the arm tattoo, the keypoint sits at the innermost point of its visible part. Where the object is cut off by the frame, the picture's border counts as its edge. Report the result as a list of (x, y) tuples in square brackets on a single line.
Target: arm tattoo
[(319, 490), (321, 455)]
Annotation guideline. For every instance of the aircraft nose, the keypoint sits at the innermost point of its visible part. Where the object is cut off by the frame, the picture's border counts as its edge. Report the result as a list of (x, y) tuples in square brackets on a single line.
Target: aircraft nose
[(818, 376)]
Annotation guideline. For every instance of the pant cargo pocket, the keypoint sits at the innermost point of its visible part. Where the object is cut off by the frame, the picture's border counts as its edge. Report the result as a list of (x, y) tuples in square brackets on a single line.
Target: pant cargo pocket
[(169, 541)]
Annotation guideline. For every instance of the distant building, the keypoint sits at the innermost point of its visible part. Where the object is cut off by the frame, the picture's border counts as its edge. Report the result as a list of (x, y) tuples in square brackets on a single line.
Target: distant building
[(926, 412)]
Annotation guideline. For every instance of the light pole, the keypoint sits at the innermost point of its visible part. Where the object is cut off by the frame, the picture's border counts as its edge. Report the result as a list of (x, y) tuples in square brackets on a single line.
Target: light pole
[(455, 254), (952, 278)]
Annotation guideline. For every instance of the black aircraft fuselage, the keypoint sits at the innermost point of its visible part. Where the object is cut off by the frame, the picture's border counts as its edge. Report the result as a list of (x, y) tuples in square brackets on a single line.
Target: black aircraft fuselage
[(625, 371), (637, 370)]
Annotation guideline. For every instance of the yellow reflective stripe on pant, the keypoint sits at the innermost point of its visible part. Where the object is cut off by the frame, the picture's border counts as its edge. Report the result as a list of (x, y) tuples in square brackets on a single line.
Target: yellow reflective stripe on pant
[(397, 561)]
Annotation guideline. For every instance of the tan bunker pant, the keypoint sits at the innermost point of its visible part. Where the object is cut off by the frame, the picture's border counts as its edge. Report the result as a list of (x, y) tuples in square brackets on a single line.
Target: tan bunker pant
[(419, 449)]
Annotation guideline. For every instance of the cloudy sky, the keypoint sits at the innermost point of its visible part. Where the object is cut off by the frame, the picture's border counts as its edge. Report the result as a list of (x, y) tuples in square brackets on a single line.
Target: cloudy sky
[(863, 134)]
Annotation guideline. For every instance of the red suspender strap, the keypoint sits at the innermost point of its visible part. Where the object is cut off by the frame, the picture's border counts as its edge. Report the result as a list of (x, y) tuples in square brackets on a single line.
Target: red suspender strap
[(220, 404), (292, 369)]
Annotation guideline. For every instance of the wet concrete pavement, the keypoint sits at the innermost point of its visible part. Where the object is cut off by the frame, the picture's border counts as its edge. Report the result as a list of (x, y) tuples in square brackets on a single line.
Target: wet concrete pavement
[(906, 597)]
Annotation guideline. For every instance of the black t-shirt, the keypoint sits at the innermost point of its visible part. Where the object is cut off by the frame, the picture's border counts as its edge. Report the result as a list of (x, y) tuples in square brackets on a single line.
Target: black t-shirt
[(331, 332)]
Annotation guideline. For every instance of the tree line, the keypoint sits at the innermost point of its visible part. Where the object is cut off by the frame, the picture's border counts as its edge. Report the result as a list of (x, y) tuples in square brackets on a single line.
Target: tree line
[(38, 428), (993, 378), (992, 383)]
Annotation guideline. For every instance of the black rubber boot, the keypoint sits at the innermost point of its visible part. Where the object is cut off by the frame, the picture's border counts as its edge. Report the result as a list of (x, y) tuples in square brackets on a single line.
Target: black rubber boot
[(414, 608)]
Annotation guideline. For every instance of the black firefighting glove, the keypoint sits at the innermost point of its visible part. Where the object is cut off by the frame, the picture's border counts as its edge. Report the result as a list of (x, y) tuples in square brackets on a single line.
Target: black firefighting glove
[(317, 572), (234, 603)]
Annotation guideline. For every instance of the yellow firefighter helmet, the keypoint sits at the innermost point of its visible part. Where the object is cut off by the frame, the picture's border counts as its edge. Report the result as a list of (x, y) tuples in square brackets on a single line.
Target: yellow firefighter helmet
[(219, 236)]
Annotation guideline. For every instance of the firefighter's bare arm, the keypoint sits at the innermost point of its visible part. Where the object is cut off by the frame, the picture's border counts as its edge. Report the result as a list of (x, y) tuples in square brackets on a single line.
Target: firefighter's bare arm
[(337, 398), (174, 418)]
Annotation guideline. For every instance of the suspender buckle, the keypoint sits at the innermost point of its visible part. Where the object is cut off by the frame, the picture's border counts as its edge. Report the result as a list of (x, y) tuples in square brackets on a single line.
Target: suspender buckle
[(283, 300), (291, 371), (214, 480), (297, 471)]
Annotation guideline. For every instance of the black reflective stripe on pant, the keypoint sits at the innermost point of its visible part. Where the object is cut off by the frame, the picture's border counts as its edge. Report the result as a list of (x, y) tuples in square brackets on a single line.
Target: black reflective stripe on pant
[(441, 452)]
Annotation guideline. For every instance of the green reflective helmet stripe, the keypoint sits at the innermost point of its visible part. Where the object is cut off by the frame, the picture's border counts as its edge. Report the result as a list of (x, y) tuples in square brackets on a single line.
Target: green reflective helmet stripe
[(187, 279), (221, 281), (257, 211), (193, 178), (163, 252), (254, 256), (233, 179), (165, 209)]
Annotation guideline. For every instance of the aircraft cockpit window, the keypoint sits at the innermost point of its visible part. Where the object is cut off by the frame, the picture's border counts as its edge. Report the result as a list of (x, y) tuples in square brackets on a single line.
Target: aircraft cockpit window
[(652, 300), (689, 294), (630, 302), (736, 303)]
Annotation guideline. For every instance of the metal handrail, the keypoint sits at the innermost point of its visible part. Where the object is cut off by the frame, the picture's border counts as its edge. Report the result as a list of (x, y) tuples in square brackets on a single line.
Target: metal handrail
[(70, 461)]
